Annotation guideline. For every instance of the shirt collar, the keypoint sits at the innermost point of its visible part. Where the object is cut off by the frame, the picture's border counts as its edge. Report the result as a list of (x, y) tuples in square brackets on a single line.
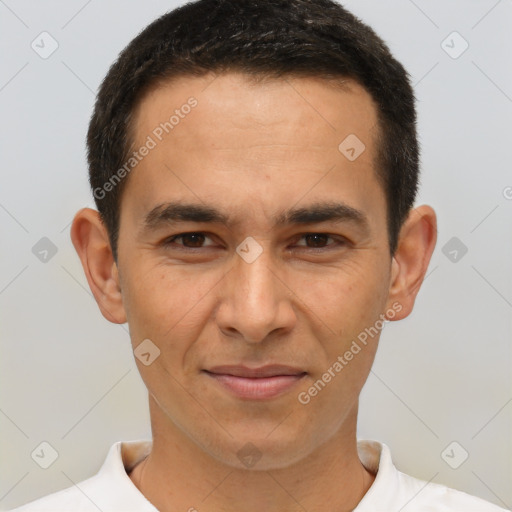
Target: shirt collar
[(382, 494), (124, 456)]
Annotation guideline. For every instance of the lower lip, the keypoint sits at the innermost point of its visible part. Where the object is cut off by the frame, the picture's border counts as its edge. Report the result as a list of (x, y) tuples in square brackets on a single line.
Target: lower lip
[(257, 388)]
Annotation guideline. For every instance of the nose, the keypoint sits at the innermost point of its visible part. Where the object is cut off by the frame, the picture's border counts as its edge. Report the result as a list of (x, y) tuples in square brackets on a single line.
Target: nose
[(255, 301)]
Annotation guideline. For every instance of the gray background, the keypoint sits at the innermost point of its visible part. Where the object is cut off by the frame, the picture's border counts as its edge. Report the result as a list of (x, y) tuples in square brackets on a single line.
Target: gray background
[(441, 375)]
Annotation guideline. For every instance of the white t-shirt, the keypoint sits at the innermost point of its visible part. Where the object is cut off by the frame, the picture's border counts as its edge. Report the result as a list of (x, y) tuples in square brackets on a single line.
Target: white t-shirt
[(111, 489)]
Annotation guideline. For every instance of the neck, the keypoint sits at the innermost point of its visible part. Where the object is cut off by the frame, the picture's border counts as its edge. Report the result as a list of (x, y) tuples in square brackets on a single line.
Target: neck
[(178, 475)]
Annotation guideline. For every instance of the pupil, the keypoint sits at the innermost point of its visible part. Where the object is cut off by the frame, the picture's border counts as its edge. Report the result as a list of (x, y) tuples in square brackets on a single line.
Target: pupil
[(199, 239), (317, 238)]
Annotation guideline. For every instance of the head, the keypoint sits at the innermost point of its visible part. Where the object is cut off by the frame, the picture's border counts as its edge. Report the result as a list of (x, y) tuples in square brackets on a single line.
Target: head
[(281, 133)]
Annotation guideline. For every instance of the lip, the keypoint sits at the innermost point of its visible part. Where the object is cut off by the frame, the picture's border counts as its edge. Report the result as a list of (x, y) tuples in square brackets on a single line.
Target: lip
[(260, 383)]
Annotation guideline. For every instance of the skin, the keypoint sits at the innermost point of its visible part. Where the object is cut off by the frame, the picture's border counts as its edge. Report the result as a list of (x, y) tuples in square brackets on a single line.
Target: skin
[(253, 150)]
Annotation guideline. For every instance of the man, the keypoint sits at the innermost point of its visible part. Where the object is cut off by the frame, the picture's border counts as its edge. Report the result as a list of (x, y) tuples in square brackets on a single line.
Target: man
[(255, 165)]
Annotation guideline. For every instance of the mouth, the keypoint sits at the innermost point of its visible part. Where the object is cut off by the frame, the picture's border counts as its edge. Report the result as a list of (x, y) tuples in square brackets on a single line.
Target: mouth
[(260, 383)]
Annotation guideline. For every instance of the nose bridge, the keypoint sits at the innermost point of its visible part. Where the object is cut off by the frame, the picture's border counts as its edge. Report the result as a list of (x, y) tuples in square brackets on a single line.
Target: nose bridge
[(256, 279), (254, 302)]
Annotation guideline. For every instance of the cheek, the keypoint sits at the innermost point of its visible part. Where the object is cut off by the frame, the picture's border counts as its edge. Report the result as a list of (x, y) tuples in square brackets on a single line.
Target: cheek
[(347, 298), (167, 305), (350, 306)]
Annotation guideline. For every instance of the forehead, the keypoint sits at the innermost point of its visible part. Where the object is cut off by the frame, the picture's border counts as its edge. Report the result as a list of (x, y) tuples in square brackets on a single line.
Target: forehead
[(217, 138), (234, 100)]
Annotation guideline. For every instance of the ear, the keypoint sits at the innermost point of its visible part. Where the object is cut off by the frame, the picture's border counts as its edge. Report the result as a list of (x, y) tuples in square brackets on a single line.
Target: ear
[(91, 241), (409, 265)]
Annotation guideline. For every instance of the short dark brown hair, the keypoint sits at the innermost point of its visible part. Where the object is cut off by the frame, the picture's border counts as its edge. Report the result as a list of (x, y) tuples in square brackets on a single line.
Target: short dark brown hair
[(317, 38)]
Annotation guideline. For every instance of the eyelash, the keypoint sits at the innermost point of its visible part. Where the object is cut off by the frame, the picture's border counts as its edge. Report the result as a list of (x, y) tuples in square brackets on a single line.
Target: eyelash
[(340, 241)]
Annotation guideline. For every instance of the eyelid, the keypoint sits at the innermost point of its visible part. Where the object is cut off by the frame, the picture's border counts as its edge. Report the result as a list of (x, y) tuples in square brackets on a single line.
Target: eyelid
[(339, 240), (170, 239)]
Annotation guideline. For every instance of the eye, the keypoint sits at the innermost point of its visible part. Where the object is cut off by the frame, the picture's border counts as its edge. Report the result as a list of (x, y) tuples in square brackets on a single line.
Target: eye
[(320, 241), (196, 240), (192, 240)]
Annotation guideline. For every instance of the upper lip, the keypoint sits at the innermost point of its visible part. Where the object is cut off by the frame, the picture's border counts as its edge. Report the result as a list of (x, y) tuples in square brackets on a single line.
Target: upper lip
[(271, 370)]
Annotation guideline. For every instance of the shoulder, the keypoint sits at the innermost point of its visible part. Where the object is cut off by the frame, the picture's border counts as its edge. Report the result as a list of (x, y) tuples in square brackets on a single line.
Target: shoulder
[(394, 490), (110, 490), (429, 496), (73, 498)]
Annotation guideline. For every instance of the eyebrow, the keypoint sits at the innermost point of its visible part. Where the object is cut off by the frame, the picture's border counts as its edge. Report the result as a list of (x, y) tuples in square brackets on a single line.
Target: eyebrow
[(175, 212)]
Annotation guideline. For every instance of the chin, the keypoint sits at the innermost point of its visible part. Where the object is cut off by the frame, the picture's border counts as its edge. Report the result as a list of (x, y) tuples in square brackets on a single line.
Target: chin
[(260, 452)]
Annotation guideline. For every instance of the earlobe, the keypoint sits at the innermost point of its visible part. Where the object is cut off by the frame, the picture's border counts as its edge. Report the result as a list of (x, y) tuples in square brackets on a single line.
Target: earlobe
[(90, 238), (411, 259)]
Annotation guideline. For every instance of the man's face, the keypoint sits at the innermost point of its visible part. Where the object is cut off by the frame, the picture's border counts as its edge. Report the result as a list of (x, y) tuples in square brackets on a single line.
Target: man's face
[(254, 153)]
